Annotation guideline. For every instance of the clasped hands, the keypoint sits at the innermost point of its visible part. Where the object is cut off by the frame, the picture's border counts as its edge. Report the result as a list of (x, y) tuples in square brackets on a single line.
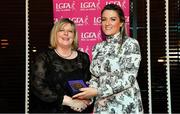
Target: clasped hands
[(76, 104), (80, 101), (86, 94)]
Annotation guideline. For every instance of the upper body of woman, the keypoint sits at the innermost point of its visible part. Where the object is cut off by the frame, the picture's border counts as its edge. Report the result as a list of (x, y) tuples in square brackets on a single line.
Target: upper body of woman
[(114, 68), (53, 68)]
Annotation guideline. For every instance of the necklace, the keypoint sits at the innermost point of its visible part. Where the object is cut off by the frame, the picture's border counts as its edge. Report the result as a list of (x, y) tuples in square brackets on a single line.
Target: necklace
[(62, 55)]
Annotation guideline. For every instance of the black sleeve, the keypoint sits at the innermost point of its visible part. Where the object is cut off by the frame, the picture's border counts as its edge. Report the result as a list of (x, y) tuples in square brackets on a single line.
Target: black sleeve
[(39, 82), (86, 66)]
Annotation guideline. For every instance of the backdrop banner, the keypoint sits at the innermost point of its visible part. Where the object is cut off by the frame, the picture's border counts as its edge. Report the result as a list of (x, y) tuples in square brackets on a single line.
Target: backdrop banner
[(86, 15)]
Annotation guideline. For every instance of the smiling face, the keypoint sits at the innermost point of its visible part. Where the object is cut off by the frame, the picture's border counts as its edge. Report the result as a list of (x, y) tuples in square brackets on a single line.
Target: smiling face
[(110, 22), (65, 36)]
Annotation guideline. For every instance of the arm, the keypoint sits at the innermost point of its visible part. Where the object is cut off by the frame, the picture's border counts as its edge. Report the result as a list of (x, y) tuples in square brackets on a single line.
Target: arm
[(39, 81), (91, 91), (86, 64), (94, 81)]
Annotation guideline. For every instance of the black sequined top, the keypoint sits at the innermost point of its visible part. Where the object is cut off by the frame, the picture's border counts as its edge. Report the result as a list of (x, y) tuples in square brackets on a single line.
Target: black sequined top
[(49, 74)]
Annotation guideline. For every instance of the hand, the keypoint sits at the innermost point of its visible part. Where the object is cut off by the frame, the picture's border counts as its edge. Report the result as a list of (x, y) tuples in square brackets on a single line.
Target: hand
[(86, 93), (79, 105), (75, 104)]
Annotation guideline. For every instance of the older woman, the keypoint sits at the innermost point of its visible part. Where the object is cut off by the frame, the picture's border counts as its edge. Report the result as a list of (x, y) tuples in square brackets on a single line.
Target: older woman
[(53, 68)]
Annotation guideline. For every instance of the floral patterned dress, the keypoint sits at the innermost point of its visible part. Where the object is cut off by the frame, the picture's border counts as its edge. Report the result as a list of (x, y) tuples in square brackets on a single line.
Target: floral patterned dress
[(114, 68)]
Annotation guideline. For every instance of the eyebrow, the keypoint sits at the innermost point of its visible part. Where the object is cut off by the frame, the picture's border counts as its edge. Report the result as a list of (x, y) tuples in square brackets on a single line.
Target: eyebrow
[(110, 17)]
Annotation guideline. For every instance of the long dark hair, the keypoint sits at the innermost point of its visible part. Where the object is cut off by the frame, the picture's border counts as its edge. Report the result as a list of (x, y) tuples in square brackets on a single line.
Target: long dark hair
[(120, 12)]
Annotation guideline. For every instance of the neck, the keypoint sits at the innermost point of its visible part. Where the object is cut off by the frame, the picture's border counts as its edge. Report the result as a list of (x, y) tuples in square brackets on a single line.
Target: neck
[(116, 38), (65, 53), (115, 35)]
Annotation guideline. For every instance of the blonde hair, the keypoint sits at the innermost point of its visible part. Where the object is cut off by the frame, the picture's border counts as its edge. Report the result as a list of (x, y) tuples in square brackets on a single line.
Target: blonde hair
[(56, 28)]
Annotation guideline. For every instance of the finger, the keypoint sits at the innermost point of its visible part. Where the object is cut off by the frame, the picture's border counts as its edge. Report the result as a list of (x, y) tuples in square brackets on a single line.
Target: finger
[(86, 102), (76, 109), (80, 107), (83, 89), (75, 96), (81, 98), (78, 95)]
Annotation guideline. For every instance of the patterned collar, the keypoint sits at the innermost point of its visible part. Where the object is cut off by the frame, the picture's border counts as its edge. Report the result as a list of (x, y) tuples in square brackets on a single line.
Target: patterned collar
[(115, 38)]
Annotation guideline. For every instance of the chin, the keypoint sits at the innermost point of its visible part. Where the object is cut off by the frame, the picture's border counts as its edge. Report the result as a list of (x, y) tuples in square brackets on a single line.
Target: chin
[(107, 33)]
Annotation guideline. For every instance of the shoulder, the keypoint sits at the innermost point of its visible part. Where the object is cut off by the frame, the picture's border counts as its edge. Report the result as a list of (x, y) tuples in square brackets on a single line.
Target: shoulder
[(99, 45), (131, 40), (82, 54), (45, 51), (131, 45), (44, 54)]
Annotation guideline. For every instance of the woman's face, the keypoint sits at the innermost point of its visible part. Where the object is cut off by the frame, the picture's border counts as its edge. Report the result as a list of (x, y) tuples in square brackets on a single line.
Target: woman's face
[(65, 36), (110, 22)]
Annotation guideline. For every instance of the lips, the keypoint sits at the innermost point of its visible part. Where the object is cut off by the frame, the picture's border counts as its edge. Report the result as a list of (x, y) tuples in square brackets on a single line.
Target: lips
[(66, 39), (108, 28)]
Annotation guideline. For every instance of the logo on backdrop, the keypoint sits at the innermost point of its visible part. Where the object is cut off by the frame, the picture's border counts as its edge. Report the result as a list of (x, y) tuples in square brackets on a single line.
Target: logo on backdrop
[(80, 21), (97, 21), (87, 16), (88, 6), (121, 3), (90, 36), (65, 6)]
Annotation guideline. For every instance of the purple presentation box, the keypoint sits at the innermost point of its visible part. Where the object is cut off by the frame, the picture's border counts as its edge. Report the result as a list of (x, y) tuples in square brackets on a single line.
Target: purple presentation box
[(75, 85)]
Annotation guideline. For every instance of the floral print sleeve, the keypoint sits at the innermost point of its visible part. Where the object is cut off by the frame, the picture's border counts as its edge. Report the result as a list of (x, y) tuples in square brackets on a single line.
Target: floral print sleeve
[(115, 67), (94, 79)]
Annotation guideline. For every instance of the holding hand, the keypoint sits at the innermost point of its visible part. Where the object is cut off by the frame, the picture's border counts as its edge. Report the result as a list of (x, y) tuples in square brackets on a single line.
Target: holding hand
[(75, 104), (79, 105), (86, 93)]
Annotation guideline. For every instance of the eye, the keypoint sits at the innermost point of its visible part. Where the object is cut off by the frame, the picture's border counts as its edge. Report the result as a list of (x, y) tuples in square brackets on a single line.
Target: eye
[(70, 31), (61, 30), (103, 19), (113, 19)]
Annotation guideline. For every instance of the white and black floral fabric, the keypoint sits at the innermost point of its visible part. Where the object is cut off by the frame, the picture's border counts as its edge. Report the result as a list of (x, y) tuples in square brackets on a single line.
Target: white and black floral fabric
[(114, 68)]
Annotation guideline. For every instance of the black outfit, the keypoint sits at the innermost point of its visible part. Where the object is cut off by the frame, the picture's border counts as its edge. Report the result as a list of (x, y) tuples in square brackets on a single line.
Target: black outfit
[(49, 75)]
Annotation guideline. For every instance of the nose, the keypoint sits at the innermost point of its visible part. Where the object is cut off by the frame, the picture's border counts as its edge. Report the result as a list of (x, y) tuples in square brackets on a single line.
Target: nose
[(66, 32), (107, 22)]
